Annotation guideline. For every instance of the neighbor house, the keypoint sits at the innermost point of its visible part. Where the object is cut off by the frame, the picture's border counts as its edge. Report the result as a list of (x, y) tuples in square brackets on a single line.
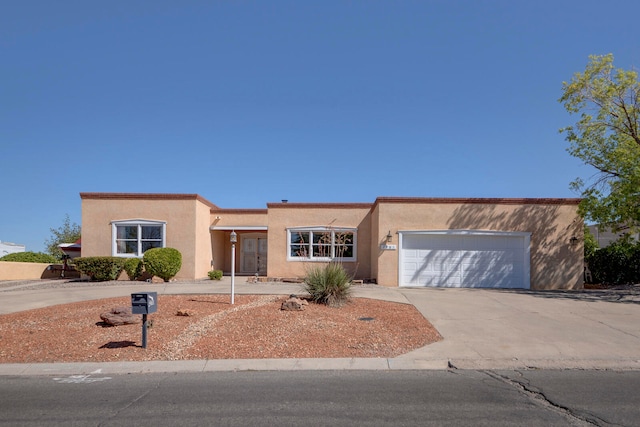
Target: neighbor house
[(607, 235), (7, 248), (394, 241)]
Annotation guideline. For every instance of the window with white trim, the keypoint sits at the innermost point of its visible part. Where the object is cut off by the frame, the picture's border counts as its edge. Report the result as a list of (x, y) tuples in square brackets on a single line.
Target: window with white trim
[(321, 244), (132, 238)]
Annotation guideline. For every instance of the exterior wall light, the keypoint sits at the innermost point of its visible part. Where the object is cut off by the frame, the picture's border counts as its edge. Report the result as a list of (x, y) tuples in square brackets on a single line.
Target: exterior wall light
[(389, 237), (573, 241)]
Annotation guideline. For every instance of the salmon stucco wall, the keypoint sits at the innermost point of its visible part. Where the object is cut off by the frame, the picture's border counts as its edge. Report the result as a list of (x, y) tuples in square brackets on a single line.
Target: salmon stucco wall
[(374, 244), (31, 270), (200, 231), (203, 253), (555, 262), (244, 222), (287, 215), (187, 220)]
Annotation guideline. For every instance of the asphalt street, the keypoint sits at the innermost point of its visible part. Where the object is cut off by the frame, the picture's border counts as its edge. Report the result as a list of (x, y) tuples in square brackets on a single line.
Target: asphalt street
[(337, 398)]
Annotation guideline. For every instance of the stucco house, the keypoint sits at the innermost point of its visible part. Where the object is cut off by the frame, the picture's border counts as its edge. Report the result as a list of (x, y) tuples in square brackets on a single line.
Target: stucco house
[(608, 235), (396, 241)]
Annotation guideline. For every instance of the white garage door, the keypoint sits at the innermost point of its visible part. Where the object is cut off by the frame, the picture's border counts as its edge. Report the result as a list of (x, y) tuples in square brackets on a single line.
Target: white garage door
[(464, 259)]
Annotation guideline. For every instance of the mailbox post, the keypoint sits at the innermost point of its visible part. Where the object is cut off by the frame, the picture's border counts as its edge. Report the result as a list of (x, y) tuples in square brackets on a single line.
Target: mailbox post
[(144, 303)]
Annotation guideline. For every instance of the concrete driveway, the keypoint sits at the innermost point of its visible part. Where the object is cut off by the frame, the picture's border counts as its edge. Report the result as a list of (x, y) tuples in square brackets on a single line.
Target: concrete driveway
[(493, 329)]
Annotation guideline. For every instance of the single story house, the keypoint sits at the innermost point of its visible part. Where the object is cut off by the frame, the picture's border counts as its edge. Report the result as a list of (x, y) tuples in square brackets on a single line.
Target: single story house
[(396, 241), (608, 235)]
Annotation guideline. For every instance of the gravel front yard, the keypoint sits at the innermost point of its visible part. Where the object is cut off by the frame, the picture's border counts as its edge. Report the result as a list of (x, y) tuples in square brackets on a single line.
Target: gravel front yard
[(254, 328)]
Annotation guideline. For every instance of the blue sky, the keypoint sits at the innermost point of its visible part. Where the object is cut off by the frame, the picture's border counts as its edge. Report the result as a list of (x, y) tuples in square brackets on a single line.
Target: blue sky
[(250, 102)]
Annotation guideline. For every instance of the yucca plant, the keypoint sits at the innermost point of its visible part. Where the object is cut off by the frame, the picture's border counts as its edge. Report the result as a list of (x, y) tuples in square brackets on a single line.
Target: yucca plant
[(329, 284)]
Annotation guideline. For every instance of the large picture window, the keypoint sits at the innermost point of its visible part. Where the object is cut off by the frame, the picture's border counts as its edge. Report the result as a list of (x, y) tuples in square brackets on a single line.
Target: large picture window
[(132, 238), (321, 244)]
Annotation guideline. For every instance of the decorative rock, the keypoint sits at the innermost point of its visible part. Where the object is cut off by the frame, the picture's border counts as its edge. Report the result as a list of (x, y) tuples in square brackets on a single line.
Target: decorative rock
[(156, 279), (185, 312), (120, 316), (294, 304)]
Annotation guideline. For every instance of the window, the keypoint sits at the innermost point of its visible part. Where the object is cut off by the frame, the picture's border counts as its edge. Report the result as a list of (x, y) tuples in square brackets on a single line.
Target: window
[(321, 244), (132, 238)]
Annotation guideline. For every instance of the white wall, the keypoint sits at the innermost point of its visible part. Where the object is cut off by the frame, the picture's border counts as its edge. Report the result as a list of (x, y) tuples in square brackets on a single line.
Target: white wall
[(9, 248)]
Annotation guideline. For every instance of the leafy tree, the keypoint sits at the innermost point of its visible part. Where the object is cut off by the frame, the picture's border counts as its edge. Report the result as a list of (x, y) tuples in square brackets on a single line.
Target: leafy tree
[(67, 233), (590, 243), (607, 137)]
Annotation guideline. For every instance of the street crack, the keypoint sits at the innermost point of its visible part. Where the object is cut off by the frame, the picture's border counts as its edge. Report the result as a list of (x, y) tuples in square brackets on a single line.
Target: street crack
[(541, 399)]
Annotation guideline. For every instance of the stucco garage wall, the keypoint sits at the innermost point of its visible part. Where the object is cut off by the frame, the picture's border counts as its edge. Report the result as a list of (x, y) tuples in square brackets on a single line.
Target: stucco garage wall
[(187, 218), (377, 257), (555, 264), (287, 215)]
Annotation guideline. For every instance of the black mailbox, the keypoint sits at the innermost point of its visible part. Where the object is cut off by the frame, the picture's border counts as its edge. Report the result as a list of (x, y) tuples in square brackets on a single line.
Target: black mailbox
[(144, 303)]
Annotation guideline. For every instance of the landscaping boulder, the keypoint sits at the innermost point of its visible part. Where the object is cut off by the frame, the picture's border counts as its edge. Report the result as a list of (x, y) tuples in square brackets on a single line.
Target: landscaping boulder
[(120, 316), (294, 304)]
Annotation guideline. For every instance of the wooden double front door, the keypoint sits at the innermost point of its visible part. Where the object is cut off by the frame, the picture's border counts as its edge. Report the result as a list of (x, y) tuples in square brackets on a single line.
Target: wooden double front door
[(253, 254)]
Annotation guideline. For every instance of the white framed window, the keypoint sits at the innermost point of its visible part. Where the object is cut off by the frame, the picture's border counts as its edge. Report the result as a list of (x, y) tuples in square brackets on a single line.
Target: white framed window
[(131, 238), (321, 244)]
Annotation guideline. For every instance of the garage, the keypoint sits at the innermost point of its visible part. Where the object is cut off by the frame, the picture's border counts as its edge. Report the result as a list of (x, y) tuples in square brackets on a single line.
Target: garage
[(464, 259)]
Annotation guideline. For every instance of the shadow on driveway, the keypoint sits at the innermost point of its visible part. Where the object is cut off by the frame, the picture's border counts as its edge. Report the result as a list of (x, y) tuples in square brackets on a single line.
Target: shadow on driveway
[(620, 294)]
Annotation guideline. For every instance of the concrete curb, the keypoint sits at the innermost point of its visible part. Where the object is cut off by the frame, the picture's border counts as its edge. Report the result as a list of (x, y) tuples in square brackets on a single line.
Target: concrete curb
[(227, 365), (343, 364)]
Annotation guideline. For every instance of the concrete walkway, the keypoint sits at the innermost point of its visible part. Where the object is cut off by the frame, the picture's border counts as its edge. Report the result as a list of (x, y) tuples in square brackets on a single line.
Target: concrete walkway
[(482, 329)]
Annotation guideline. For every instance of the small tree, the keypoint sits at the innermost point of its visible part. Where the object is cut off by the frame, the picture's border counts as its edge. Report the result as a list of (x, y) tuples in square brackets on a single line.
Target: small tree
[(606, 137), (68, 232)]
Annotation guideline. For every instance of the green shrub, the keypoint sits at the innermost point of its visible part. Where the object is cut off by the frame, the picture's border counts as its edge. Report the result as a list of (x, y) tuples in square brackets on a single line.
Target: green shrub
[(30, 257), (329, 284), (162, 262), (618, 263), (215, 274), (134, 268), (590, 243), (100, 268)]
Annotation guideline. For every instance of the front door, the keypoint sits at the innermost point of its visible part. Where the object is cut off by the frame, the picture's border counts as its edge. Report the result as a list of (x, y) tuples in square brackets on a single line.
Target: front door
[(253, 257)]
